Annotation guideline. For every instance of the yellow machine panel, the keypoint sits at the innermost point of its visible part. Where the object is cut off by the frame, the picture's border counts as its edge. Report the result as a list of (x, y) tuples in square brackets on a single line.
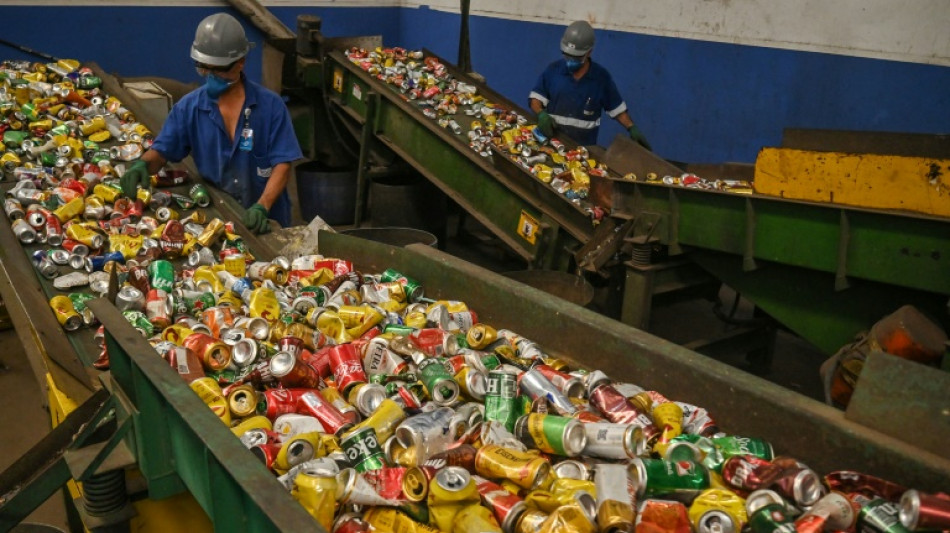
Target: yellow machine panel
[(916, 184)]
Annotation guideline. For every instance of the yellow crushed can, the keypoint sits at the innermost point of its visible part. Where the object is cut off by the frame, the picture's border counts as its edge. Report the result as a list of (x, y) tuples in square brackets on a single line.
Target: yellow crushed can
[(718, 501), (389, 520), (475, 519), (452, 490), (331, 325), (210, 393), (66, 314), (254, 422), (527, 469), (317, 494), (568, 519), (70, 209), (264, 304), (384, 420), (302, 447), (127, 245), (107, 193), (92, 126), (669, 418), (235, 265)]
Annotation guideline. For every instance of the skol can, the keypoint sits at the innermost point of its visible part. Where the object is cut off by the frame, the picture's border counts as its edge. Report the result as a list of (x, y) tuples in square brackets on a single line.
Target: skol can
[(472, 383), (551, 434), (680, 479), (291, 371), (718, 511), (527, 470), (210, 393), (450, 491), (363, 450), (65, 312), (316, 491), (442, 389), (384, 420)]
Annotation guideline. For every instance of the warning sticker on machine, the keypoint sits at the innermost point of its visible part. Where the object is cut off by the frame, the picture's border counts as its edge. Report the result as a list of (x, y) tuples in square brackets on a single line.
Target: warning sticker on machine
[(528, 227), (357, 91), (338, 81)]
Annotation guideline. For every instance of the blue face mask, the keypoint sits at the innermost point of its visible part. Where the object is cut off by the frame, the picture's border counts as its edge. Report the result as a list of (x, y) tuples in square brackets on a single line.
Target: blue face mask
[(216, 86), (573, 65)]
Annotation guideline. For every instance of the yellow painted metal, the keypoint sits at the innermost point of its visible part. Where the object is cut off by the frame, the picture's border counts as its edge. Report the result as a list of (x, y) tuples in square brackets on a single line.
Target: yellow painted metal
[(178, 513), (875, 181)]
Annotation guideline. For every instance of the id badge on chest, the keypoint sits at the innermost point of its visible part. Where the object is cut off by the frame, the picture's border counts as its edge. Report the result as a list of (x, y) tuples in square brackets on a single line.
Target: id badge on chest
[(246, 144)]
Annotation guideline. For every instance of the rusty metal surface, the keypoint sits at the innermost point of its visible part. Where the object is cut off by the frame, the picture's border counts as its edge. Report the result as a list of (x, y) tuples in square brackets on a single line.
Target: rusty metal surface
[(741, 403), (868, 142), (904, 399)]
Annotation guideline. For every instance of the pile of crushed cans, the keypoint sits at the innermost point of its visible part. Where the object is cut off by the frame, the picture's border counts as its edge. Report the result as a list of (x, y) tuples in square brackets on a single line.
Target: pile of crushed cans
[(380, 409), (492, 128)]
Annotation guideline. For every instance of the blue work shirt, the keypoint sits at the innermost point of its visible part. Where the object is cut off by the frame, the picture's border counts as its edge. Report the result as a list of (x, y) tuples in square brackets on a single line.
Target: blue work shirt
[(196, 127), (576, 105)]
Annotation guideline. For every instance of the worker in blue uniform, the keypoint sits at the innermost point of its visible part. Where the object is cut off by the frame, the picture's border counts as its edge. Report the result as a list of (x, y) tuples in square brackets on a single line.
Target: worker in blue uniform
[(573, 91), (239, 133)]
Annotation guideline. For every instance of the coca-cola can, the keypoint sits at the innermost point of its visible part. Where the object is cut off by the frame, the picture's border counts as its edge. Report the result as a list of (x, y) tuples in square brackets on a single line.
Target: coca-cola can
[(291, 371), (347, 367)]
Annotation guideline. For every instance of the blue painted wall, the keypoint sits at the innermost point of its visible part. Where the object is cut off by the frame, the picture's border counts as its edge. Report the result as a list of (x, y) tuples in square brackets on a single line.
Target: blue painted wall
[(696, 101)]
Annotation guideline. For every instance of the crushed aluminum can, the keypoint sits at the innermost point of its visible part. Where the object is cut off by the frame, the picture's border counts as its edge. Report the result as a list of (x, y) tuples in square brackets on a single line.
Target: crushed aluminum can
[(71, 280)]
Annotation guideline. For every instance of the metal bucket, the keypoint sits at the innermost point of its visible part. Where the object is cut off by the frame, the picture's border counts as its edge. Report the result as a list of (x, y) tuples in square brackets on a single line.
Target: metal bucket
[(329, 192), (574, 289), (394, 236)]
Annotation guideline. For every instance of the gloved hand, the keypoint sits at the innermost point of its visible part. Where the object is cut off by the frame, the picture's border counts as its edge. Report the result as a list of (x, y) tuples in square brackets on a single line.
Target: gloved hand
[(255, 218), (637, 135), (136, 176), (546, 123)]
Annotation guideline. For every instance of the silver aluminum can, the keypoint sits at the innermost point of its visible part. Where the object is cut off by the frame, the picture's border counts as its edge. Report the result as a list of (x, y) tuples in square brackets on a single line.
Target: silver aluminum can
[(130, 299), (614, 441), (59, 257), (535, 385), (244, 352), (13, 209), (201, 257)]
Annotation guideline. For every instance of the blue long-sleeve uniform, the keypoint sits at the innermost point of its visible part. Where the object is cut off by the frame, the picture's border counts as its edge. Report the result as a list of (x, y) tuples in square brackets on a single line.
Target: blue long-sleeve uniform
[(195, 126)]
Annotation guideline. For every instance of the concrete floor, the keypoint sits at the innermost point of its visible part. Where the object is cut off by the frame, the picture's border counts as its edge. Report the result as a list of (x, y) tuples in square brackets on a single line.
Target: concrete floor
[(25, 422)]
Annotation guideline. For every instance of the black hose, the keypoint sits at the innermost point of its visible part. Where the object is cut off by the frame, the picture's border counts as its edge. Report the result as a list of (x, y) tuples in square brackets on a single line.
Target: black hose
[(22, 48)]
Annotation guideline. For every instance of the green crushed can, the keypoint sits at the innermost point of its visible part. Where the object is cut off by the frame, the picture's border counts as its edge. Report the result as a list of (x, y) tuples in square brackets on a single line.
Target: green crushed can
[(413, 288), (438, 381), (140, 322), (879, 516), (674, 479), (501, 398), (715, 451), (89, 82), (398, 329), (200, 195), (363, 450), (13, 138), (161, 275)]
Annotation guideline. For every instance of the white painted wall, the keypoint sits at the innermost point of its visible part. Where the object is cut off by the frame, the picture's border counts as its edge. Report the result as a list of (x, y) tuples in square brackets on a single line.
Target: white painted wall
[(916, 31)]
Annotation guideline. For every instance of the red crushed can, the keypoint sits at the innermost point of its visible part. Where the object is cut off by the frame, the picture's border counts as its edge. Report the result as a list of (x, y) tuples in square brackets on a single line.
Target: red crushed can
[(348, 372)]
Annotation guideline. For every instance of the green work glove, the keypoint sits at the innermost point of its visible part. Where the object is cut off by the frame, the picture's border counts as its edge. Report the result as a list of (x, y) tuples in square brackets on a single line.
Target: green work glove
[(637, 135), (255, 218), (136, 176), (546, 123)]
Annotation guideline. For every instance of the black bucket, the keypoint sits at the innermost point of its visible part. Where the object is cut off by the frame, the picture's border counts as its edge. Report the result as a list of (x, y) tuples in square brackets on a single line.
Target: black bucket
[(570, 287), (407, 201), (329, 192), (394, 236)]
